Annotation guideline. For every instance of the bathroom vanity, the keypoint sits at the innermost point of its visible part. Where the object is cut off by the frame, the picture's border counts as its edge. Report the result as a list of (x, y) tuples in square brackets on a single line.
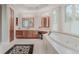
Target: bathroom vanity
[(28, 34)]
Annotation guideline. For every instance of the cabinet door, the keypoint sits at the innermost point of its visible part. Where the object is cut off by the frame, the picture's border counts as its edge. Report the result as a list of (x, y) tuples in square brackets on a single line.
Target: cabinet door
[(30, 34), (35, 34), (19, 34), (25, 33)]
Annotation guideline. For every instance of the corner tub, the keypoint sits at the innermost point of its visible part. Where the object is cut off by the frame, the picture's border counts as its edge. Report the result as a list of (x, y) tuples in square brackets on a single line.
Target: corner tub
[(63, 43)]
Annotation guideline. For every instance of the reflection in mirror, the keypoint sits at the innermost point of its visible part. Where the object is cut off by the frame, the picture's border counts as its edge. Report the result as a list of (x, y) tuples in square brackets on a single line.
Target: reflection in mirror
[(27, 22)]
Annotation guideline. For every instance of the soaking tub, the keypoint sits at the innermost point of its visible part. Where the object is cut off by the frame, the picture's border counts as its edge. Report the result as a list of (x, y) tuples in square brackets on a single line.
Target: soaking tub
[(63, 42)]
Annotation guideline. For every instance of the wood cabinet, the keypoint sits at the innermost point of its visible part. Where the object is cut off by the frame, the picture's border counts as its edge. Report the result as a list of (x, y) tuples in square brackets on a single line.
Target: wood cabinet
[(19, 34), (26, 34)]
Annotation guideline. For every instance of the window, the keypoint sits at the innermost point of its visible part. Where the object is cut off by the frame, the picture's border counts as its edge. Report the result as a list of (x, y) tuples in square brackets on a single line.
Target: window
[(72, 18), (77, 12), (69, 13), (68, 18), (55, 20), (75, 23)]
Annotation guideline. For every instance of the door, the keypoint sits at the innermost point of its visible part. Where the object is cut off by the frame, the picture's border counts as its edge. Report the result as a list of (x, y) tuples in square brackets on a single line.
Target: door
[(11, 24)]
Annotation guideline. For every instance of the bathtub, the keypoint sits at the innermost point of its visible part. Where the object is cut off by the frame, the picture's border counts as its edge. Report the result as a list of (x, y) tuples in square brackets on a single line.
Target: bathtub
[(63, 43)]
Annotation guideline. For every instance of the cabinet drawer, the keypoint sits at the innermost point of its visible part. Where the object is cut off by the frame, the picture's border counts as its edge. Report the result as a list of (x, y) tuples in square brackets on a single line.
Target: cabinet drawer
[(19, 34)]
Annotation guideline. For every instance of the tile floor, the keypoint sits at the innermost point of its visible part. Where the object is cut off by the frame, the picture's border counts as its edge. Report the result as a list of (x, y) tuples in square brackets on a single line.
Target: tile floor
[(38, 45)]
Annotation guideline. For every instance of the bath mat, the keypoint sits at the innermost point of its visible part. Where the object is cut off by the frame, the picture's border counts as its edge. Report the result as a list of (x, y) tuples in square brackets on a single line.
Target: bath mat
[(21, 49)]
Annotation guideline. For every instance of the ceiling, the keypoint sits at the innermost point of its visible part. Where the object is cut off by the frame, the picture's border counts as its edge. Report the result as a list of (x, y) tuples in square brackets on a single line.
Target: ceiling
[(33, 8), (30, 6)]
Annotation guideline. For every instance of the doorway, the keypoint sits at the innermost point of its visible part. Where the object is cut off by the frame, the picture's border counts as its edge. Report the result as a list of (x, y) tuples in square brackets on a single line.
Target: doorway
[(11, 24)]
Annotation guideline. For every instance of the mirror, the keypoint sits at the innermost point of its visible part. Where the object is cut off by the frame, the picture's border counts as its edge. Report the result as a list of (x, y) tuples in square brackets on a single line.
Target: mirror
[(28, 22), (45, 22)]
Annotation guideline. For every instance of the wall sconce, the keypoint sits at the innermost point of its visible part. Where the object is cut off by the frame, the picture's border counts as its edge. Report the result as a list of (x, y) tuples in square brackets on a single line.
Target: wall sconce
[(16, 21)]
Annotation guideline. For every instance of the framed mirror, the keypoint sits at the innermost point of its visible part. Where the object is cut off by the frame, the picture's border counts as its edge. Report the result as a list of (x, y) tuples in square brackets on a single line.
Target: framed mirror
[(28, 22), (45, 22)]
